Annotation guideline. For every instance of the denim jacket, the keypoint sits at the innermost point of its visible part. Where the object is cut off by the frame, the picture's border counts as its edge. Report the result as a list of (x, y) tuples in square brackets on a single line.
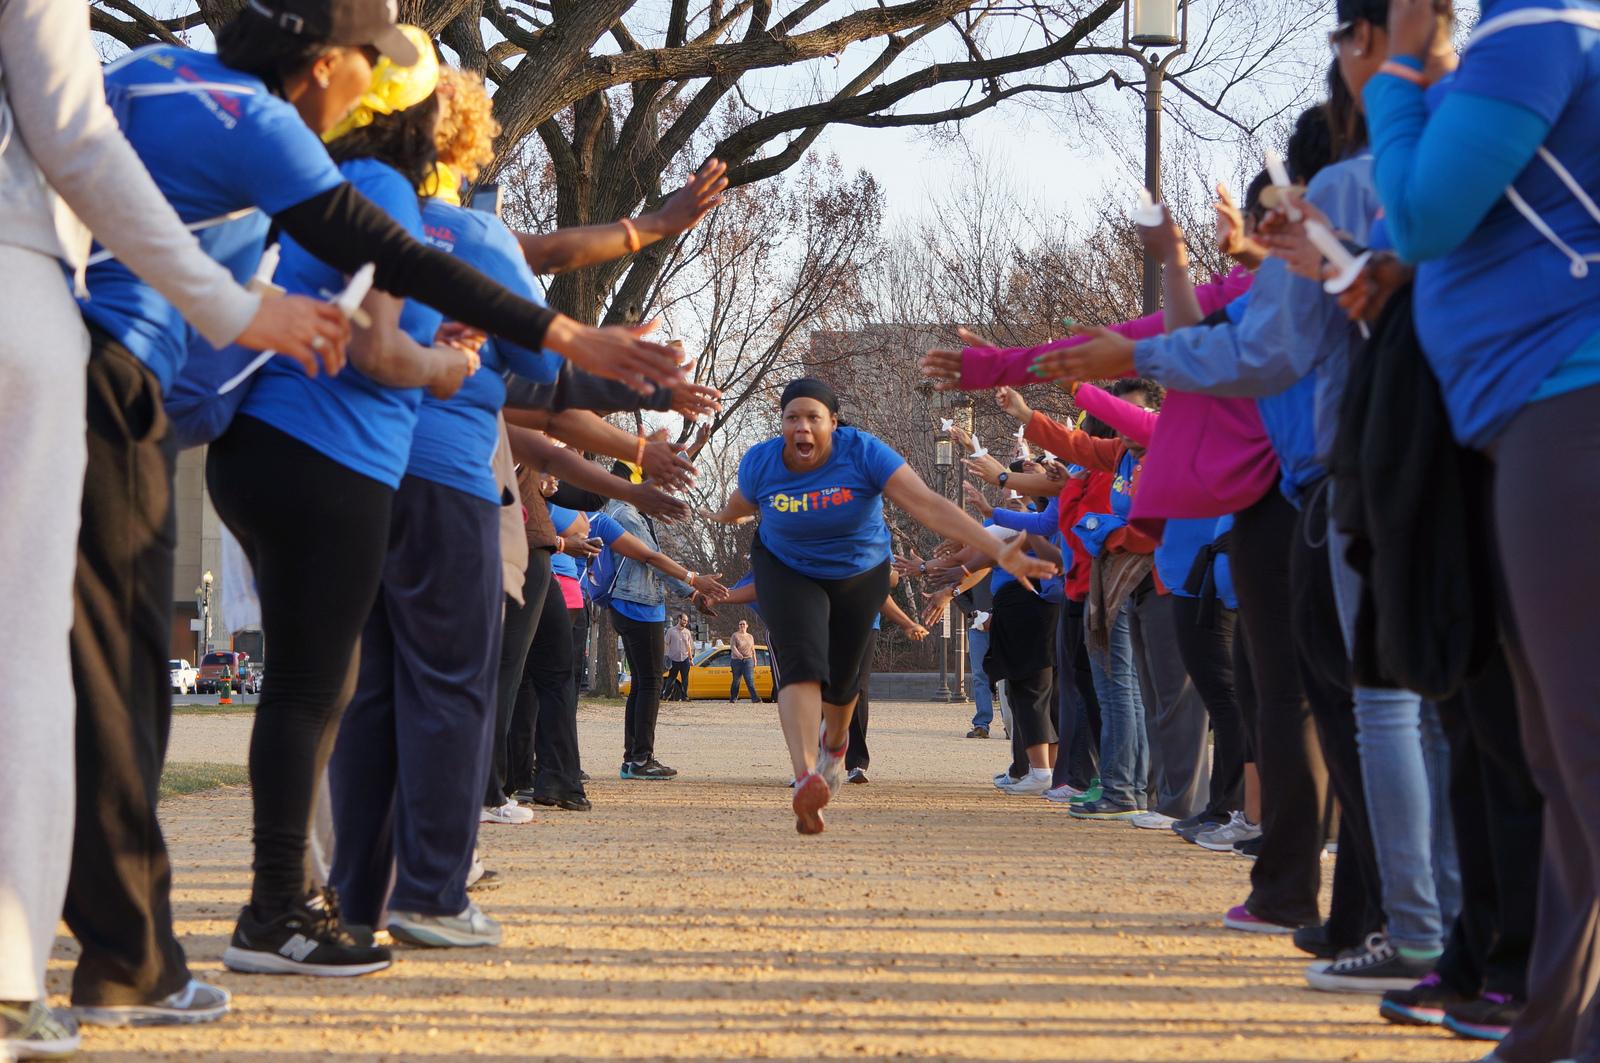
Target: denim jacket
[(637, 581)]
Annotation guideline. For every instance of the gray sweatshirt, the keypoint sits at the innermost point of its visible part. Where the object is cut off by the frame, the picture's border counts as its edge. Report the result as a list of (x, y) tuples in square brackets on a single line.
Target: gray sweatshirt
[(65, 165)]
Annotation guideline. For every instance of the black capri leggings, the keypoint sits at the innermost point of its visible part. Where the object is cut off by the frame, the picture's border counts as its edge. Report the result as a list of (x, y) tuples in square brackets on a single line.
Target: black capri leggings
[(316, 534), (819, 628)]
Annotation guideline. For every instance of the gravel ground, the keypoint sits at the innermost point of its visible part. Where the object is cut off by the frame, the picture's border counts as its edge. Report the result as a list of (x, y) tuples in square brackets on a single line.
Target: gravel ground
[(936, 919)]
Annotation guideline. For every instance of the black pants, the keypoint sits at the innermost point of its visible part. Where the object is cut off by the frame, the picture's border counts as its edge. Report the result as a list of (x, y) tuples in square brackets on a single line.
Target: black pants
[(818, 627), (1285, 877), (858, 755), (644, 646), (549, 677), (1205, 642), (1081, 733), (1356, 908), (516, 636), (119, 901), (1498, 815), (316, 533), (678, 680), (580, 647)]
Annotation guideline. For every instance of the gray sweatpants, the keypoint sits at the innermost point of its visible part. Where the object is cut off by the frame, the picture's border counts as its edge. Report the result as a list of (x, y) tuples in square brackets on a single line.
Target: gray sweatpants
[(43, 353), (1175, 715), (1547, 520)]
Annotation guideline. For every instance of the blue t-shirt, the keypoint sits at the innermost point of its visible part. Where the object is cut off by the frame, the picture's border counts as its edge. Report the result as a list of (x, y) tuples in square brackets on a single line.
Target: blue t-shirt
[(455, 438), (350, 418), (1497, 315), (562, 518), (755, 606), (826, 523), (212, 153), (1181, 543)]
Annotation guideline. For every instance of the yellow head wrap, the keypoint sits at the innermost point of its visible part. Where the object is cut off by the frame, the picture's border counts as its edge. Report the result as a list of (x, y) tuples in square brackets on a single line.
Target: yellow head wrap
[(393, 88), (442, 184), (635, 473)]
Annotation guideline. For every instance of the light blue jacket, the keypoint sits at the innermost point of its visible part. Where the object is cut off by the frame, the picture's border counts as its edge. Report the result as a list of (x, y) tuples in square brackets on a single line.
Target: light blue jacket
[(637, 581)]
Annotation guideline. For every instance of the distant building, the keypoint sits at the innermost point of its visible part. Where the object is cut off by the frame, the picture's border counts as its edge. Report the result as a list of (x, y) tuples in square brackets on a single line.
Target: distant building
[(200, 551)]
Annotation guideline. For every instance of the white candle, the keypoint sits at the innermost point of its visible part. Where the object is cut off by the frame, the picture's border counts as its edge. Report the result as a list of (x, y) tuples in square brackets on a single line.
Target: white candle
[(349, 300), (1148, 213), (978, 450), (1280, 177), (1333, 249)]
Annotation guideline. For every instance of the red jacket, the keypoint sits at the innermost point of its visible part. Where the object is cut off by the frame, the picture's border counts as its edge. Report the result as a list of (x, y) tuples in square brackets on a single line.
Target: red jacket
[(1089, 494), (1097, 455)]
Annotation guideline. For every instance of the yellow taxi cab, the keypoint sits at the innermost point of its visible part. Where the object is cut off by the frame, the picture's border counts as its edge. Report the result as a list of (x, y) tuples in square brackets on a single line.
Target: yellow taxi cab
[(712, 674)]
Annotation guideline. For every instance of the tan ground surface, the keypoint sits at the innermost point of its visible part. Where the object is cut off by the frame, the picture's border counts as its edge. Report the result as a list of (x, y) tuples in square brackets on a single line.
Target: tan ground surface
[(937, 919)]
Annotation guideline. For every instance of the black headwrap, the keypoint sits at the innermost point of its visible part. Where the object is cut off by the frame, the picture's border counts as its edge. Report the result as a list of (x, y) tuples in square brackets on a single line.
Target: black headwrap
[(809, 387)]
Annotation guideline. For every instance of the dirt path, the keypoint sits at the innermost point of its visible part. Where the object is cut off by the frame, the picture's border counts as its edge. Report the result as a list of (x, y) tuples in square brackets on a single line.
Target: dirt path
[(937, 919)]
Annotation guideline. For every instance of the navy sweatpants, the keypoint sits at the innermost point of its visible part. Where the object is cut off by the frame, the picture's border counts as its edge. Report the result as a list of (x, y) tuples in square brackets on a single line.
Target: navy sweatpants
[(412, 759)]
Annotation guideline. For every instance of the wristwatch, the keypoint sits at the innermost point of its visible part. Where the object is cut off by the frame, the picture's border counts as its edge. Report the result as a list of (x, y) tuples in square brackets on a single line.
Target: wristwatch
[(1004, 476)]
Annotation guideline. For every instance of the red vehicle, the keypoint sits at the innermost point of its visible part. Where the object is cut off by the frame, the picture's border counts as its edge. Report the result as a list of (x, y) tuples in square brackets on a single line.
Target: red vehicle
[(215, 667)]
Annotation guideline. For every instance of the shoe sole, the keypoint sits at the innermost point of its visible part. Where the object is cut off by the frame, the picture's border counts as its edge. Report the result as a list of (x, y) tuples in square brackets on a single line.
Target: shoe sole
[(440, 939), (1103, 817), (507, 822), (1473, 1031), (810, 799), (1325, 982), (1261, 927), (246, 962), (146, 1015), (1155, 826), (489, 880), (857, 780), (20, 1049), (1401, 1015), (1217, 847), (1017, 791)]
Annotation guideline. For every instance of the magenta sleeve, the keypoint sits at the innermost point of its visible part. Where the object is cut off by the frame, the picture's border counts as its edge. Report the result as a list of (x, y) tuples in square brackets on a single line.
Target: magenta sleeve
[(1135, 422)]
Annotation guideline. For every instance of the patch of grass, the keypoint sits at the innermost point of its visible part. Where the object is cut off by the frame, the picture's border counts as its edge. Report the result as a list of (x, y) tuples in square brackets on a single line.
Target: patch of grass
[(214, 710), (615, 703), (193, 777)]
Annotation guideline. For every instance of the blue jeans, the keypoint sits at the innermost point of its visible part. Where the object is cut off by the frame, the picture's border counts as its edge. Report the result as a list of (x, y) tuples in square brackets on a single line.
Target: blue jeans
[(1124, 743), (745, 670), (1405, 772), (977, 649)]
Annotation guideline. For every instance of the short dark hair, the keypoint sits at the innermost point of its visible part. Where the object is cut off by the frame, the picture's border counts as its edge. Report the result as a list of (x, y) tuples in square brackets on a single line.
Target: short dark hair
[(1155, 392), (403, 140), (251, 44), (1252, 194)]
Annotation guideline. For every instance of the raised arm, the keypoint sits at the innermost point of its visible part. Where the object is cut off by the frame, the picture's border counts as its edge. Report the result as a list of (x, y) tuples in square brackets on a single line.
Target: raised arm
[(736, 510), (1135, 422), (687, 580), (943, 517)]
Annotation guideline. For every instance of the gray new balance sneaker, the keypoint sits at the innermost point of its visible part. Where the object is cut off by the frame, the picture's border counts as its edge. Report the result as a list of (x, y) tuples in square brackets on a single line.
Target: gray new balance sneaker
[(468, 929), (195, 1002), (1223, 838)]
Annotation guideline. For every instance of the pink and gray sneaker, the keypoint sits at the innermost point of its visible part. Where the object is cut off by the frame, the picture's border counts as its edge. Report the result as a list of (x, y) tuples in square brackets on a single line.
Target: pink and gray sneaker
[(1241, 918), (811, 795), (830, 763)]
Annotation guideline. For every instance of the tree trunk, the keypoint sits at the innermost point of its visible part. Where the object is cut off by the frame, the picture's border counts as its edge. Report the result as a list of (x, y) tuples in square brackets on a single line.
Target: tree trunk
[(603, 677)]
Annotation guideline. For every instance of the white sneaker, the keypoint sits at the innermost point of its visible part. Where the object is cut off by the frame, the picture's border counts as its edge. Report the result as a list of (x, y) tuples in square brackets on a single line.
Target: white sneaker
[(469, 929), (1152, 821), (1062, 794), (1029, 785), (830, 764), (1223, 838), (1005, 780), (510, 812)]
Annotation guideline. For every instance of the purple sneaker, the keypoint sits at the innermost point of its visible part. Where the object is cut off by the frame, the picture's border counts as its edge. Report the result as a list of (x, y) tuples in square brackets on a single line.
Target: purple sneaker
[(1488, 1018), (1424, 1004), (1240, 918)]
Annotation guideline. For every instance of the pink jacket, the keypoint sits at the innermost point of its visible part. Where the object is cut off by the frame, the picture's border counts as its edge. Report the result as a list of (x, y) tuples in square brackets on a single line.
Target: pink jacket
[(990, 367)]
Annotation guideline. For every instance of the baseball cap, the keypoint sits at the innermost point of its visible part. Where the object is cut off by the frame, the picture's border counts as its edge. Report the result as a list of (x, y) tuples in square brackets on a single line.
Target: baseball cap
[(345, 22), (1373, 11)]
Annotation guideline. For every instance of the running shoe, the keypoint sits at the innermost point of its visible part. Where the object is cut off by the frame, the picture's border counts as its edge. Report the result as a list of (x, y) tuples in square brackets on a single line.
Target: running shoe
[(1223, 839), (1424, 1004), (1092, 794), (978, 732), (830, 763), (307, 938), (1374, 968), (479, 877), (1062, 794), (508, 813), (1250, 848), (468, 929), (1194, 826), (811, 795), (1033, 784), (1152, 821), (1005, 779), (1241, 918), (1489, 1018), (195, 1002), (858, 776), (1103, 809), (651, 770), (31, 1029), (1314, 941)]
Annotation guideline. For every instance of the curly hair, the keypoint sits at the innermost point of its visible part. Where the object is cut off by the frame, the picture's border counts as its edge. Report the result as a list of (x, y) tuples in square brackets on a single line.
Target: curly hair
[(465, 137)]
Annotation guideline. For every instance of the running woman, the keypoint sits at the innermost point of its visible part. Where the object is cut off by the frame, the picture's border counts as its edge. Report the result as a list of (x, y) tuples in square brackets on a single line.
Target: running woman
[(821, 562)]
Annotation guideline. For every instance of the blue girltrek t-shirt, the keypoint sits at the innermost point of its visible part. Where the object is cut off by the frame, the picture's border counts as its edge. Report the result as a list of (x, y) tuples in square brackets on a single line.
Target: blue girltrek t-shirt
[(350, 418), (1500, 313), (827, 523), (212, 153), (601, 526), (455, 438)]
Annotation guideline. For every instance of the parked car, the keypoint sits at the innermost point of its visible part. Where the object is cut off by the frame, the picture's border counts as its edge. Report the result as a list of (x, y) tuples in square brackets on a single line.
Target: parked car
[(250, 679), (215, 667), (184, 677), (712, 674)]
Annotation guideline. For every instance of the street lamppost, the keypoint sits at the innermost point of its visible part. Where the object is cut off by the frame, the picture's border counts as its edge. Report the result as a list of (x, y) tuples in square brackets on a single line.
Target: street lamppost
[(1146, 26), (202, 599), (943, 458)]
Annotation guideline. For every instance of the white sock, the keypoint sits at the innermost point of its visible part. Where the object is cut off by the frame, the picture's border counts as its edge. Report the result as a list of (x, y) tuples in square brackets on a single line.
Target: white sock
[(1040, 773)]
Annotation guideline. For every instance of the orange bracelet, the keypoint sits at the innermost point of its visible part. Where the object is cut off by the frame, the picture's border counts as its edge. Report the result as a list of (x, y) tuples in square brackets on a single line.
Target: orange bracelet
[(1404, 73), (634, 243), (638, 459)]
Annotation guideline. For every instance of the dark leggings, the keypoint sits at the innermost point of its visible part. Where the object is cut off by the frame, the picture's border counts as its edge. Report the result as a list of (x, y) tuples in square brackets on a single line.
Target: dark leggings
[(521, 624), (1285, 877), (1079, 763), (819, 627), (316, 534), (644, 646), (549, 677), (1205, 642)]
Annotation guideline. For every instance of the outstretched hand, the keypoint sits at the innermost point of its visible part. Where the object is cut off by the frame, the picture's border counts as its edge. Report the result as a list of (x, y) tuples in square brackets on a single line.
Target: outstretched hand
[(617, 352), (1106, 354), (685, 208), (1012, 403), (975, 499), (1016, 560), (986, 468), (309, 331), (654, 502), (665, 464)]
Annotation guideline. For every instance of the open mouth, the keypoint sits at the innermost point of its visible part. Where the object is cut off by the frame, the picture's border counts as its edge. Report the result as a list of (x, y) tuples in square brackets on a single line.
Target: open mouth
[(805, 450)]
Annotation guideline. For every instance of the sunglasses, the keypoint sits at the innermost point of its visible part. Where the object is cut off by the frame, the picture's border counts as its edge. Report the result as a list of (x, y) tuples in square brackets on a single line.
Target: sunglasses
[(1340, 32)]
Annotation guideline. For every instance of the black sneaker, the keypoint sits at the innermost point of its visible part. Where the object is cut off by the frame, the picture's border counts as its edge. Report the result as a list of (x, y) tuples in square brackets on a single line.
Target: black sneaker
[(1313, 940), (1105, 808), (1488, 1018), (1374, 968), (653, 769), (308, 938), (569, 802), (1249, 849), (1424, 1004)]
